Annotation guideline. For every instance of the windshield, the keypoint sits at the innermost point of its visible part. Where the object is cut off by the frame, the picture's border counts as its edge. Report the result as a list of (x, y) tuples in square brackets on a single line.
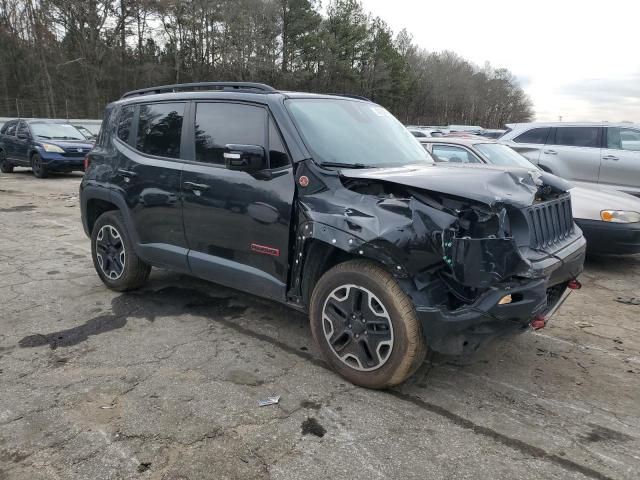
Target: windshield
[(60, 131), (355, 133), (502, 155), (84, 131)]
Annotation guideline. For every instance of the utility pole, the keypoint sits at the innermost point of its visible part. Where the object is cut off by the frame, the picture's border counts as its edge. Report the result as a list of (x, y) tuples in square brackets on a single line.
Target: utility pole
[(18, 107), (66, 103)]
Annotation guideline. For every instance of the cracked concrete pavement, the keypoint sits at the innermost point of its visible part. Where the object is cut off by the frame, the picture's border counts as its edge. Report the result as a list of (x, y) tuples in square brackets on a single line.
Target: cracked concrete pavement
[(163, 383)]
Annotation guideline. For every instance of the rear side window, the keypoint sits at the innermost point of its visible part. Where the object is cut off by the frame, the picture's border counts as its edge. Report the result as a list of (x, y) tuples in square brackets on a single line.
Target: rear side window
[(160, 129), (10, 128), (124, 123), (578, 136), (219, 124), (448, 153), (536, 136), (623, 139)]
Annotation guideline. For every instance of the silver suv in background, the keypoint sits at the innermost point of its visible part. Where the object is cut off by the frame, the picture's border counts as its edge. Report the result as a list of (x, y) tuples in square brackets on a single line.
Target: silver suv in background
[(603, 153)]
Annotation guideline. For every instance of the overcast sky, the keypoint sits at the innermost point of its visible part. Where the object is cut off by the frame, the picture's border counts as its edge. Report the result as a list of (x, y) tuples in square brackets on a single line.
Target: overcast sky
[(576, 59)]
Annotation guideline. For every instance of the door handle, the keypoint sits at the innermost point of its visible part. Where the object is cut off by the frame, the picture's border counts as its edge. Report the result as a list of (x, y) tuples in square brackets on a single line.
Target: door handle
[(126, 173), (610, 157), (196, 186), (550, 152)]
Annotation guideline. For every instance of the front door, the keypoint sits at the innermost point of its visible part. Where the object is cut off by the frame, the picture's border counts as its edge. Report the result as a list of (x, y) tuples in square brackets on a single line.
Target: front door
[(237, 224), (621, 159)]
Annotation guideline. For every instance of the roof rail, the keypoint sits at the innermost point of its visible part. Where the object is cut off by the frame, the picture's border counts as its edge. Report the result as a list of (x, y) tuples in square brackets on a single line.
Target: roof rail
[(261, 87), (348, 95)]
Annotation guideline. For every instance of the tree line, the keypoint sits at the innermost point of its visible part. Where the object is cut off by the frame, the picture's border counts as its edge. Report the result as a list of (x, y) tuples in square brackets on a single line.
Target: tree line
[(69, 58)]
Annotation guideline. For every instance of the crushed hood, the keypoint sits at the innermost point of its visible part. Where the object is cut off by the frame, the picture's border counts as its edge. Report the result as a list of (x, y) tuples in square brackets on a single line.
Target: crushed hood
[(486, 185)]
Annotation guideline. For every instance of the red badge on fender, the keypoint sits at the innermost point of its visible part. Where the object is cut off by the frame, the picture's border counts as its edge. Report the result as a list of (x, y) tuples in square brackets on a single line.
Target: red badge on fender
[(303, 181)]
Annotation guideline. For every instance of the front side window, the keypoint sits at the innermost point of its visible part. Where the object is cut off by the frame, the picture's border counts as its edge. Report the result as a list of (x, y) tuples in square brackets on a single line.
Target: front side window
[(160, 129), (350, 132), (56, 131), (623, 139), (536, 136), (578, 136), (124, 123), (451, 154), (502, 155), (23, 129), (221, 124)]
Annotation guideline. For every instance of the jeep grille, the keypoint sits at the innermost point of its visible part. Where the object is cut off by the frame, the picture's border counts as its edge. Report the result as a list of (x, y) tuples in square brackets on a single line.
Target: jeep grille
[(550, 222)]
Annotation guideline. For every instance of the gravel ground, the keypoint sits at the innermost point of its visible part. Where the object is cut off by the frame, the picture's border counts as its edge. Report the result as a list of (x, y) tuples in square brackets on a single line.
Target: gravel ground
[(163, 383)]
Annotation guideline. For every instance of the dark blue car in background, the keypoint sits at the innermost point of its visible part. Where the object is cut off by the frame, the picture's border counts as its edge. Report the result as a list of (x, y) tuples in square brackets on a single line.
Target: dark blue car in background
[(44, 145)]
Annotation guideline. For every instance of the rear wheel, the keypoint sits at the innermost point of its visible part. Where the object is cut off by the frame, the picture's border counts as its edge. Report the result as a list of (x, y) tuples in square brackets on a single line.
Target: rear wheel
[(366, 326), (114, 257), (5, 166), (37, 167)]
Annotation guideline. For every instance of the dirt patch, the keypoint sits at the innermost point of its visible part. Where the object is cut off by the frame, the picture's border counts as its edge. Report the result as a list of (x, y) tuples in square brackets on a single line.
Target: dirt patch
[(311, 427)]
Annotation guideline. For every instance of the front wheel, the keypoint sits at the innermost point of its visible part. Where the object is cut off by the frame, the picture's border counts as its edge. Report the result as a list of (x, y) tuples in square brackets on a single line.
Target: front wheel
[(366, 326), (38, 168), (113, 255)]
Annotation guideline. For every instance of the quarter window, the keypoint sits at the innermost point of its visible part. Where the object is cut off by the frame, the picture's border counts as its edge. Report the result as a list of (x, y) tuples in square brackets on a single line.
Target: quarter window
[(124, 123), (214, 129), (578, 136), (160, 129), (623, 139), (537, 136), (451, 154)]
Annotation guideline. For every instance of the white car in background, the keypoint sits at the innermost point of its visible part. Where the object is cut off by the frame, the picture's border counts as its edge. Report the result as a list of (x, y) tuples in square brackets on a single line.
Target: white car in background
[(609, 220), (607, 154)]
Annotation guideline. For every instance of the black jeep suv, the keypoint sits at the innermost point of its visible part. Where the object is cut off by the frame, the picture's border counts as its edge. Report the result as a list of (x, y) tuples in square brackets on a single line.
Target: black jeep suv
[(328, 204)]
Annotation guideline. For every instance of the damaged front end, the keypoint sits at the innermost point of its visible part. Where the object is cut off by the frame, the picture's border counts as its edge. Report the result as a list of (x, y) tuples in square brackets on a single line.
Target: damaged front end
[(480, 252)]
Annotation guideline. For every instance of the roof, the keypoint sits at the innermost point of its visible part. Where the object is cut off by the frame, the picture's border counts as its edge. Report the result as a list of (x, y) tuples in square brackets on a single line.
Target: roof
[(571, 124)]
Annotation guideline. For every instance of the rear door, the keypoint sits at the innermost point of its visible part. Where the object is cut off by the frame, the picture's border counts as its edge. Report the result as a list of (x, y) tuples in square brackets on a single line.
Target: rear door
[(573, 153), (621, 159), (22, 143), (238, 223), (531, 142), (148, 172), (9, 138)]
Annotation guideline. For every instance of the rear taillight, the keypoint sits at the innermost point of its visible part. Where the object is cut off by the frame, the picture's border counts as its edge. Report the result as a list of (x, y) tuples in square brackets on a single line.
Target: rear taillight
[(87, 161)]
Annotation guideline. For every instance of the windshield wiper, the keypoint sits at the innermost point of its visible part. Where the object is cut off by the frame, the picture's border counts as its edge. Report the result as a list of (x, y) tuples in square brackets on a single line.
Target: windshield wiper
[(43, 136), (344, 165)]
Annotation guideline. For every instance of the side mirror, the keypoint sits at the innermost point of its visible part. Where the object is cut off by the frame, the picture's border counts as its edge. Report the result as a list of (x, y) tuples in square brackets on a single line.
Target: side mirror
[(245, 158), (23, 136)]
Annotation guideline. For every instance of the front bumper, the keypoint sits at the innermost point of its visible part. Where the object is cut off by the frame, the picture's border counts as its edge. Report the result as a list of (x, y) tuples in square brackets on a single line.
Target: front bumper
[(611, 238), (466, 328), (59, 162)]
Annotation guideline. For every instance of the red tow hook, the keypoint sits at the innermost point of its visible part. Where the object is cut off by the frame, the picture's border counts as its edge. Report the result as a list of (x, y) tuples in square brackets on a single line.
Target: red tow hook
[(574, 284), (538, 322)]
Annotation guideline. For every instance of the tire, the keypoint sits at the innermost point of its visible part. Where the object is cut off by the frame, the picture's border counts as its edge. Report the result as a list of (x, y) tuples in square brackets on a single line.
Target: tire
[(114, 257), (382, 312), (5, 166), (37, 167)]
